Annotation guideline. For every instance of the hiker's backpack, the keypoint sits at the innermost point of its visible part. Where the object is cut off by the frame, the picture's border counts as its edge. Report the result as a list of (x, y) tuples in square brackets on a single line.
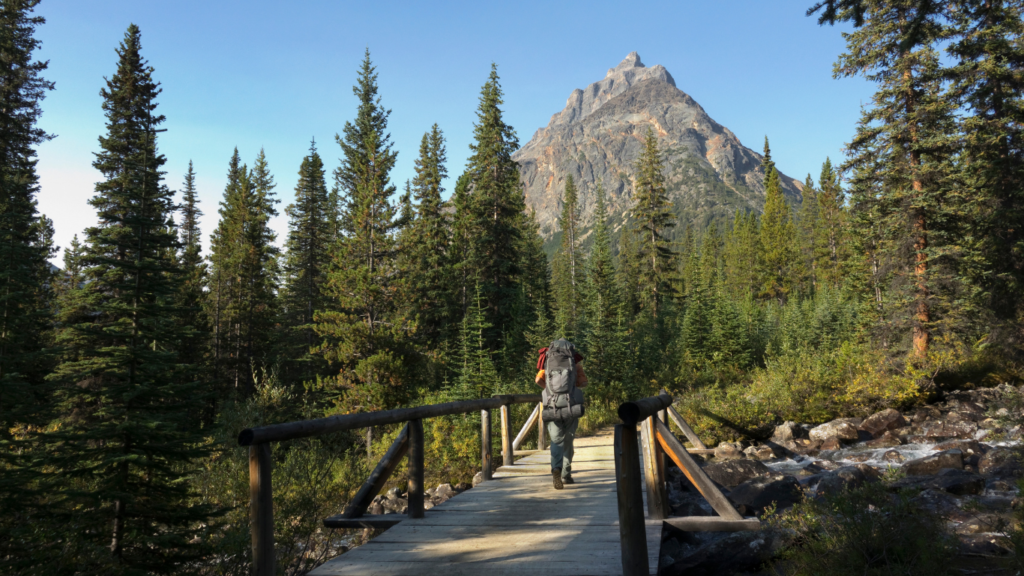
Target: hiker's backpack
[(563, 401)]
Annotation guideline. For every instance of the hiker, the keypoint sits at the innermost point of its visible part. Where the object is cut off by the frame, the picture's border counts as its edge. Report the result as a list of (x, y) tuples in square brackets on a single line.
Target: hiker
[(561, 375)]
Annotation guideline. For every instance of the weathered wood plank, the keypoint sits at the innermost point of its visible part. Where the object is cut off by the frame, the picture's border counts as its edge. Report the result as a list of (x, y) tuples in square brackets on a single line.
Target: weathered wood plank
[(654, 479), (713, 524), (485, 444), (506, 436)]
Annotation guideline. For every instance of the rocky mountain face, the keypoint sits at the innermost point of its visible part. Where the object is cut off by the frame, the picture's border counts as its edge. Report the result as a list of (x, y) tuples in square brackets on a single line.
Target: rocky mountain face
[(598, 137)]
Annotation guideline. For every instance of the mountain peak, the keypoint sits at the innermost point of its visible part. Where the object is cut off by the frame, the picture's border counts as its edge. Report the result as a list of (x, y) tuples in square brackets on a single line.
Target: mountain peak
[(629, 72), (632, 60)]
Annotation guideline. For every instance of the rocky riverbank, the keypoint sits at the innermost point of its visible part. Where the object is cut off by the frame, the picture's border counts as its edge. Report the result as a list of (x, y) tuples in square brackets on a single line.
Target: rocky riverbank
[(956, 459)]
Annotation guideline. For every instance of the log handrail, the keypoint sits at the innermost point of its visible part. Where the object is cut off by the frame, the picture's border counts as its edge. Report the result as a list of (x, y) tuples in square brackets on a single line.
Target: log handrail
[(408, 443), (318, 426)]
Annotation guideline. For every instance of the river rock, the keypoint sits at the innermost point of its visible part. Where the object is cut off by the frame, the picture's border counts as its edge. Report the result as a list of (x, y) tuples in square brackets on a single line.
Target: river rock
[(893, 456), (716, 553), (968, 447), (884, 421), (841, 428), (888, 439), (845, 478), (832, 443), (736, 472), (759, 452), (930, 465), (727, 451), (787, 432), (947, 429), (753, 496), (959, 482), (478, 478), (1000, 462)]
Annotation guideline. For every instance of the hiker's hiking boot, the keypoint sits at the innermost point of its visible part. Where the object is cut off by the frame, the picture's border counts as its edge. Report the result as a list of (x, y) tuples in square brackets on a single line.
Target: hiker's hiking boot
[(556, 478), (568, 480)]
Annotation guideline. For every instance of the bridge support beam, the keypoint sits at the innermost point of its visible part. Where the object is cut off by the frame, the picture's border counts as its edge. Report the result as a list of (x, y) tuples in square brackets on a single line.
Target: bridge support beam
[(261, 511), (485, 444), (632, 527), (508, 458), (415, 487)]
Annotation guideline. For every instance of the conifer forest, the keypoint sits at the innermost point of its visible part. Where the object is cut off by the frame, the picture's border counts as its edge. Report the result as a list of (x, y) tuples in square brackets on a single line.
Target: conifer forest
[(127, 370)]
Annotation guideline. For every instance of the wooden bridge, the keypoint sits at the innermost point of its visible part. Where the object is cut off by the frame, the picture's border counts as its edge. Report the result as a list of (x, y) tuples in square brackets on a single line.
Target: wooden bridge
[(609, 522)]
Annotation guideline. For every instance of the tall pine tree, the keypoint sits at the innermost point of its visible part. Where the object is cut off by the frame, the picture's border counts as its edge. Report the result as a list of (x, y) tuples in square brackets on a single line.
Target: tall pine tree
[(496, 206), (120, 458), (309, 245), (364, 334), (652, 256), (567, 268)]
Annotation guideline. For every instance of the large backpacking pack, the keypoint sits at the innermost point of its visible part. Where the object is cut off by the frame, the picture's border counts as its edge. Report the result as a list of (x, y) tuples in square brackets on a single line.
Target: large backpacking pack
[(562, 400)]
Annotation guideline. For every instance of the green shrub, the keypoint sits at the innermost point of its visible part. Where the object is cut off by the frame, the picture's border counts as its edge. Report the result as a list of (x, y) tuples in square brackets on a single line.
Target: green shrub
[(865, 532)]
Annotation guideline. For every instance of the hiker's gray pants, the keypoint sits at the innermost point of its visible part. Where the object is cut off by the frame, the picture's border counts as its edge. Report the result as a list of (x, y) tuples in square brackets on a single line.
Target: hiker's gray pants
[(562, 434)]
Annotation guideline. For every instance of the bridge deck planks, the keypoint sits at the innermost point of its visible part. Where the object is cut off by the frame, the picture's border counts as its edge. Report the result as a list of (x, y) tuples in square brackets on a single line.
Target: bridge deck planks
[(514, 524)]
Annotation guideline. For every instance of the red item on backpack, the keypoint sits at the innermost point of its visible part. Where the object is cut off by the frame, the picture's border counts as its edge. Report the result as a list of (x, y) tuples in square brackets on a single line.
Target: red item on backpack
[(543, 357)]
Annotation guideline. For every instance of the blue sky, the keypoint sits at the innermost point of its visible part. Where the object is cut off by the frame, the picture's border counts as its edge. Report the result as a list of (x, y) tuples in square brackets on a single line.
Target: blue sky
[(277, 74)]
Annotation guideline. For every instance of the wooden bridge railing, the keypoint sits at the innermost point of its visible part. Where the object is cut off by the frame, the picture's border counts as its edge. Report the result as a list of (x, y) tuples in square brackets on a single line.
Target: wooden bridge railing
[(654, 443), (408, 443)]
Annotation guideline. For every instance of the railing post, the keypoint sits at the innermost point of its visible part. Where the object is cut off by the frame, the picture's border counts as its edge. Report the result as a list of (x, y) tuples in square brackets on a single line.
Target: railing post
[(632, 528), (654, 470), (506, 436), (261, 511), (485, 444), (415, 488), (540, 428)]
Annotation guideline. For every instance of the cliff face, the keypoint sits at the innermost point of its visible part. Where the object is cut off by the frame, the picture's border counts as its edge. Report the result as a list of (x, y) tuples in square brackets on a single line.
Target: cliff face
[(598, 136)]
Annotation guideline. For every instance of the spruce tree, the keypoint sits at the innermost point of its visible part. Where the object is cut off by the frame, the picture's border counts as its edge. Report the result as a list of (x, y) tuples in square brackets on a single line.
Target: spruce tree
[(24, 245), (496, 205), (651, 218), (191, 297), (605, 341), (244, 276), (118, 463), (567, 268), (431, 274), (740, 256), (777, 250), (832, 252), (988, 83), (903, 146), (308, 249), (363, 333), (477, 374), (807, 234)]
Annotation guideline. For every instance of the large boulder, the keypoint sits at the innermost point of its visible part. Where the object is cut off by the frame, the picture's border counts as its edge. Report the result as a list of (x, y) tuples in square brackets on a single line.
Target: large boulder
[(753, 496), (888, 439), (845, 478), (881, 422), (930, 465), (968, 447), (959, 482), (736, 472), (841, 428), (1000, 462)]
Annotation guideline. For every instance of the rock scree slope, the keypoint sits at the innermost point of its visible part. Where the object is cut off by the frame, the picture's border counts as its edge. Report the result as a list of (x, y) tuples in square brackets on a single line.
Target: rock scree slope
[(598, 136)]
